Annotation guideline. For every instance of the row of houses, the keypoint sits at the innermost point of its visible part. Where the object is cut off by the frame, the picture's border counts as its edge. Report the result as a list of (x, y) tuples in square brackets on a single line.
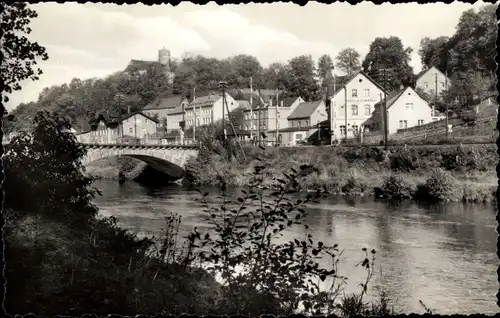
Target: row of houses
[(355, 101)]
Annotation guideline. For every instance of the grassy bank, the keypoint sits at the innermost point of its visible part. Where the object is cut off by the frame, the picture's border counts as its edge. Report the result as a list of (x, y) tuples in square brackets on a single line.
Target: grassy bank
[(110, 168), (463, 173)]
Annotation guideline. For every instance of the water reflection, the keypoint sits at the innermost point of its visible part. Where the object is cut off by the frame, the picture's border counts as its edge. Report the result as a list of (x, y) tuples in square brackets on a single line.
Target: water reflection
[(442, 254)]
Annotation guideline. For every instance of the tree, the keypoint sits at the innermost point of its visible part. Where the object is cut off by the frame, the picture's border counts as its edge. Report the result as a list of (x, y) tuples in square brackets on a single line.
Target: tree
[(325, 64), (46, 164), (388, 59), (433, 52), (473, 47), (244, 67), (348, 61), (273, 76), (301, 82), (19, 54)]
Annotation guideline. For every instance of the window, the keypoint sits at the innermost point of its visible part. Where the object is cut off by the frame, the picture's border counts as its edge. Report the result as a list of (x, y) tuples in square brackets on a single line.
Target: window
[(342, 130), (146, 121), (131, 130), (354, 110), (300, 123), (409, 106), (442, 84), (403, 124), (367, 110), (426, 85), (355, 129), (298, 137), (354, 92), (367, 92), (420, 122), (307, 123)]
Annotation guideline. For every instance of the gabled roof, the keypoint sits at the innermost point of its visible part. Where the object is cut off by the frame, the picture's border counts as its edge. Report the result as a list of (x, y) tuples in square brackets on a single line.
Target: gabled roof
[(176, 110), (419, 75), (244, 104), (305, 110), (127, 116), (165, 102), (395, 95), (206, 100), (287, 101), (346, 80)]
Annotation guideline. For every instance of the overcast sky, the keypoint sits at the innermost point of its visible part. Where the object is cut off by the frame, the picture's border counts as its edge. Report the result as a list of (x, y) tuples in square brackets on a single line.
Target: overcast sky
[(95, 40)]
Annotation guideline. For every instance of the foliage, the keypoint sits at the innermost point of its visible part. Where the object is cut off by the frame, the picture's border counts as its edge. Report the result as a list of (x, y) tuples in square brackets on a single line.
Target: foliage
[(260, 274), (438, 187), (405, 160), (348, 61), (19, 54), (389, 53), (301, 73), (47, 163), (394, 187), (325, 64), (433, 53)]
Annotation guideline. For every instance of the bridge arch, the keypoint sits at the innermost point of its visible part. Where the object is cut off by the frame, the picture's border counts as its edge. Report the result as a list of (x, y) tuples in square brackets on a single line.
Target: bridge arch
[(167, 159)]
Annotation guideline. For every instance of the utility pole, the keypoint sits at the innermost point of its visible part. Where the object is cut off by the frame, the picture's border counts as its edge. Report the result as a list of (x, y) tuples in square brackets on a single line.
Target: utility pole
[(446, 88), (332, 104), (345, 114), (222, 86), (276, 130), (251, 108), (258, 124), (118, 98), (194, 111), (385, 109)]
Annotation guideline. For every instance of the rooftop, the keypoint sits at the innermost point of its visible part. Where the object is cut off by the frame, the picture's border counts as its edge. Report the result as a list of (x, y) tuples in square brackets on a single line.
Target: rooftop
[(305, 110), (165, 102)]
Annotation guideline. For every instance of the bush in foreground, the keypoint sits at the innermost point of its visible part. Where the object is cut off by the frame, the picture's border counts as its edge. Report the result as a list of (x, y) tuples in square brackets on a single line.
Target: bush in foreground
[(394, 187), (440, 186)]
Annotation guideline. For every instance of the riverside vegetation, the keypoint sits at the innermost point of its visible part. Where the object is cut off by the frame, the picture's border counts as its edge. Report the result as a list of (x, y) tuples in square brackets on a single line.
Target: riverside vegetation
[(460, 173), (63, 259)]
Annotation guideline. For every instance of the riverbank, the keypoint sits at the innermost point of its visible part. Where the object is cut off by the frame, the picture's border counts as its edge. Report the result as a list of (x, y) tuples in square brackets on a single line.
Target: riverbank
[(110, 168), (449, 174)]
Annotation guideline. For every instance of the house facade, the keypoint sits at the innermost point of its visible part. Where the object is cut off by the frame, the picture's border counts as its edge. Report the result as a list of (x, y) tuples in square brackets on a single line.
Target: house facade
[(174, 118), (107, 131), (355, 100), (432, 79), (266, 115), (207, 109), (405, 109), (302, 124)]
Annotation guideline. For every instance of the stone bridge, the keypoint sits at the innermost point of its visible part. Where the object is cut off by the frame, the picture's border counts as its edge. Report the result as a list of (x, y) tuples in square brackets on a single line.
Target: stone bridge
[(169, 159)]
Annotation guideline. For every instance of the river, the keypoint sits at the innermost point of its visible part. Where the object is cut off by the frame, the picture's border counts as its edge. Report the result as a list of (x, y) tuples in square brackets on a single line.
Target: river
[(442, 254)]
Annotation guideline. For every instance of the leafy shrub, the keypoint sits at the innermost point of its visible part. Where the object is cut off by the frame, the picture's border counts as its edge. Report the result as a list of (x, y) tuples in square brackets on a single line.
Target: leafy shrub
[(354, 186), (438, 187), (404, 160), (394, 187)]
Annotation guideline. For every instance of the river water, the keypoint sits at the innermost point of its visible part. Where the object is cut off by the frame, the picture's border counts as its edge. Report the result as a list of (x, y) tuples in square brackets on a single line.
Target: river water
[(442, 254)]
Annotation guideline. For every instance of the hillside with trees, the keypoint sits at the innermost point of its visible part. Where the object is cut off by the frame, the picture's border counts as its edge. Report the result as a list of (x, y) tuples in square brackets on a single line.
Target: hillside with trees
[(467, 56)]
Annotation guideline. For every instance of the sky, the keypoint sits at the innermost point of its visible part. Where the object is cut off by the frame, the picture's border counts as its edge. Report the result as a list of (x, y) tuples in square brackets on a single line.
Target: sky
[(94, 40)]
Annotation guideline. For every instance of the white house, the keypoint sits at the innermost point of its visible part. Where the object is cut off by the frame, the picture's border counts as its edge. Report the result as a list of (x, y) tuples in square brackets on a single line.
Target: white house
[(431, 79), (360, 93), (405, 109), (208, 109)]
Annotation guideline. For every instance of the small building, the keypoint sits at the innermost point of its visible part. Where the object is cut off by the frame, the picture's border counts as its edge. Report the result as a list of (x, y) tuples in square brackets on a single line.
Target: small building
[(139, 67), (302, 124), (432, 79), (405, 109)]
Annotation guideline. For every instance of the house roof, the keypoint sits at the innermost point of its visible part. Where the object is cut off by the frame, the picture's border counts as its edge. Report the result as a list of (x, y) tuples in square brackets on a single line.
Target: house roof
[(427, 70), (206, 100), (165, 102), (345, 80), (175, 110), (287, 101), (244, 104), (305, 110), (127, 116)]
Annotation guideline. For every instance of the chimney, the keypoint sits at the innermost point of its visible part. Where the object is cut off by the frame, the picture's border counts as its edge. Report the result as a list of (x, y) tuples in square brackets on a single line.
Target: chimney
[(401, 87)]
